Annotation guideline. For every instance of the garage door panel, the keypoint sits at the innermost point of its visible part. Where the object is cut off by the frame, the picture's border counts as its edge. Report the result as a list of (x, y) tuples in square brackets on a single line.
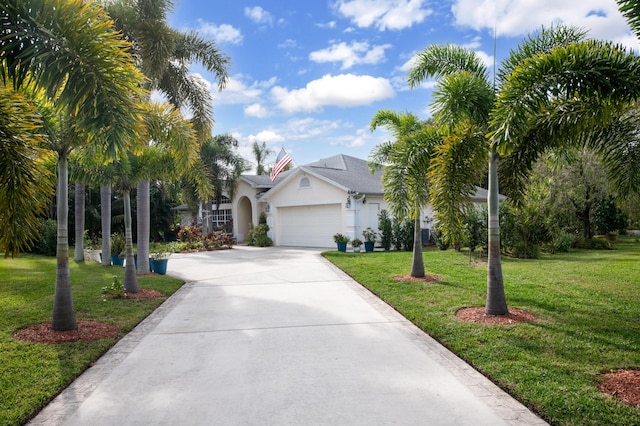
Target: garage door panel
[(309, 226)]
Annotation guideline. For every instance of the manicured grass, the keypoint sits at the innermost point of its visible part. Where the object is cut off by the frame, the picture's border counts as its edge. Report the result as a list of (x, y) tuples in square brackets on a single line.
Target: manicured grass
[(32, 373), (588, 309)]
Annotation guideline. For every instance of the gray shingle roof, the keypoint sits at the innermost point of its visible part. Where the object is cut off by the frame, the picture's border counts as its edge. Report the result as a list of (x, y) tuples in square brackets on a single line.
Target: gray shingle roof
[(350, 172)]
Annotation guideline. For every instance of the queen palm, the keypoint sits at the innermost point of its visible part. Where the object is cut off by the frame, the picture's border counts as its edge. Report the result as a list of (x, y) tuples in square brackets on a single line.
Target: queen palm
[(25, 182), (221, 165), (583, 95), (51, 43), (173, 151), (464, 101), (260, 153), (164, 55), (405, 162)]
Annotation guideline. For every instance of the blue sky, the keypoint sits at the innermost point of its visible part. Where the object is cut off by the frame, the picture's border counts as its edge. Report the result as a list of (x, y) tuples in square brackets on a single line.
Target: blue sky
[(308, 75)]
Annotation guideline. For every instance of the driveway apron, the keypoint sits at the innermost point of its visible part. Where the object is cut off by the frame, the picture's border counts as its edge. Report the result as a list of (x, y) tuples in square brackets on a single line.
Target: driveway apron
[(278, 336)]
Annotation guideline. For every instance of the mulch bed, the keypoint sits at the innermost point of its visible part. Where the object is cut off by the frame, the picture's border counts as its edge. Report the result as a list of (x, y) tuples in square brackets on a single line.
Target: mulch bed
[(478, 315), (623, 385), (87, 331), (144, 293)]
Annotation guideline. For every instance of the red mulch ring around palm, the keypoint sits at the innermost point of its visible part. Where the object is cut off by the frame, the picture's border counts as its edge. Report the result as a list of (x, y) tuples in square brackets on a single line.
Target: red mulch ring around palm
[(144, 293), (425, 279), (623, 385), (87, 331), (477, 315)]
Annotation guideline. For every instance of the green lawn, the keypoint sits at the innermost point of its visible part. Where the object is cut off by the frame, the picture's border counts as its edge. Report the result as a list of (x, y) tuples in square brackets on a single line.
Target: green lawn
[(30, 373), (588, 309)]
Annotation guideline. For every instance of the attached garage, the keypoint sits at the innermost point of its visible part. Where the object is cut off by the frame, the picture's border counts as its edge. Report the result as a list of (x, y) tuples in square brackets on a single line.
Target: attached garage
[(308, 226)]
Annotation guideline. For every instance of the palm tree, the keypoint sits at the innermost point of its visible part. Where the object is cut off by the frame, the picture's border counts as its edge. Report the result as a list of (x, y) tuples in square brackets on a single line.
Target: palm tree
[(174, 150), (405, 162), (222, 167), (464, 101), (582, 95), (78, 255), (25, 181), (52, 43), (164, 55), (260, 153)]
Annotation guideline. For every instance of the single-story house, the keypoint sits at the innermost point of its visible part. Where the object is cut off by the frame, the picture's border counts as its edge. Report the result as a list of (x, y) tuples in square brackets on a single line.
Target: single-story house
[(307, 205)]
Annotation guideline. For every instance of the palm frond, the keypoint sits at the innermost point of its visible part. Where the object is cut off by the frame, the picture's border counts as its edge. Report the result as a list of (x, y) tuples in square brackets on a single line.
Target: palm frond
[(190, 47), (460, 97), (437, 61), (579, 71), (631, 10)]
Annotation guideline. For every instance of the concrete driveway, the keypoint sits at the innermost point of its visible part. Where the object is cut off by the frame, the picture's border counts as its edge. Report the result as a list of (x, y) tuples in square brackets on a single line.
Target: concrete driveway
[(278, 336)]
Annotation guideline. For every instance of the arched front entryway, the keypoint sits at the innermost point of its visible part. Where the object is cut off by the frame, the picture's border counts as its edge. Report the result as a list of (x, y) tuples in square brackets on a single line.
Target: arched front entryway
[(245, 217)]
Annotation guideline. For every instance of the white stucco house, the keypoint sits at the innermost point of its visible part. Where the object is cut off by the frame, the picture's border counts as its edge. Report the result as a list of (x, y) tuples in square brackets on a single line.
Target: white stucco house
[(307, 205)]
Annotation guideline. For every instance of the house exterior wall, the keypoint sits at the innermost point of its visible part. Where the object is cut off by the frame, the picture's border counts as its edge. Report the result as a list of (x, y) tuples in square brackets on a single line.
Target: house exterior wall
[(303, 191), (243, 212)]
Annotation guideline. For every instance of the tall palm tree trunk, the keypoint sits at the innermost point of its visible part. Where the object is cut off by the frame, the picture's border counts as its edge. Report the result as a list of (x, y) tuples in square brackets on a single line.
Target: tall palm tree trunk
[(143, 217), (496, 301), (130, 278), (78, 255), (64, 315), (105, 217), (417, 268)]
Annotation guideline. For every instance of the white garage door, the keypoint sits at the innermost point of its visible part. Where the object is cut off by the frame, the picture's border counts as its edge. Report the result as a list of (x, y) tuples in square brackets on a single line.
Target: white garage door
[(309, 226)]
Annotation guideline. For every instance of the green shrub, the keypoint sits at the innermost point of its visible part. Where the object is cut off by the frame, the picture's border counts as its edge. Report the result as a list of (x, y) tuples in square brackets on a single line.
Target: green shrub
[(475, 229), (608, 217), (593, 244), (386, 230), (561, 243), (48, 240), (525, 251), (262, 239), (403, 234)]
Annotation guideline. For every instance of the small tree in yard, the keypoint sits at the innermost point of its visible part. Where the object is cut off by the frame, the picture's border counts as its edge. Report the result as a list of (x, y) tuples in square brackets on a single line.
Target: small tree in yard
[(475, 229), (386, 230), (258, 234)]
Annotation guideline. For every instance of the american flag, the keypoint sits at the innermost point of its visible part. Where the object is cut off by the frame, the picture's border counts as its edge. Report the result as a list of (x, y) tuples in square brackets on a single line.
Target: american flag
[(282, 160)]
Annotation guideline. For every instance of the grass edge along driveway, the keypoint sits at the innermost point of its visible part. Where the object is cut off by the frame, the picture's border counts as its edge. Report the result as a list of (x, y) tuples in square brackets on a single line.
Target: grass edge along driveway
[(588, 309), (33, 373)]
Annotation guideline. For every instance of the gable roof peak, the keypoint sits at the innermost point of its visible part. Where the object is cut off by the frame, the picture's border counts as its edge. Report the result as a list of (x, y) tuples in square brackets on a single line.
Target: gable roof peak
[(337, 162)]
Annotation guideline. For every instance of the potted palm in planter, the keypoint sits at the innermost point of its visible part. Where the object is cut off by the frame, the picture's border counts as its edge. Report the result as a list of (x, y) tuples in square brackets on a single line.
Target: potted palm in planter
[(158, 260), (369, 239), (356, 243), (117, 249), (341, 240)]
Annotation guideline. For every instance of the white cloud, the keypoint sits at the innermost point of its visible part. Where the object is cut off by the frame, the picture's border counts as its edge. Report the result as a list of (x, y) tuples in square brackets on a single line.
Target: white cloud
[(256, 110), (288, 43), (258, 15), (221, 33), (307, 128), (362, 137), (351, 54), (344, 90), (327, 25), (268, 136), (515, 18), (384, 14), (238, 91)]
